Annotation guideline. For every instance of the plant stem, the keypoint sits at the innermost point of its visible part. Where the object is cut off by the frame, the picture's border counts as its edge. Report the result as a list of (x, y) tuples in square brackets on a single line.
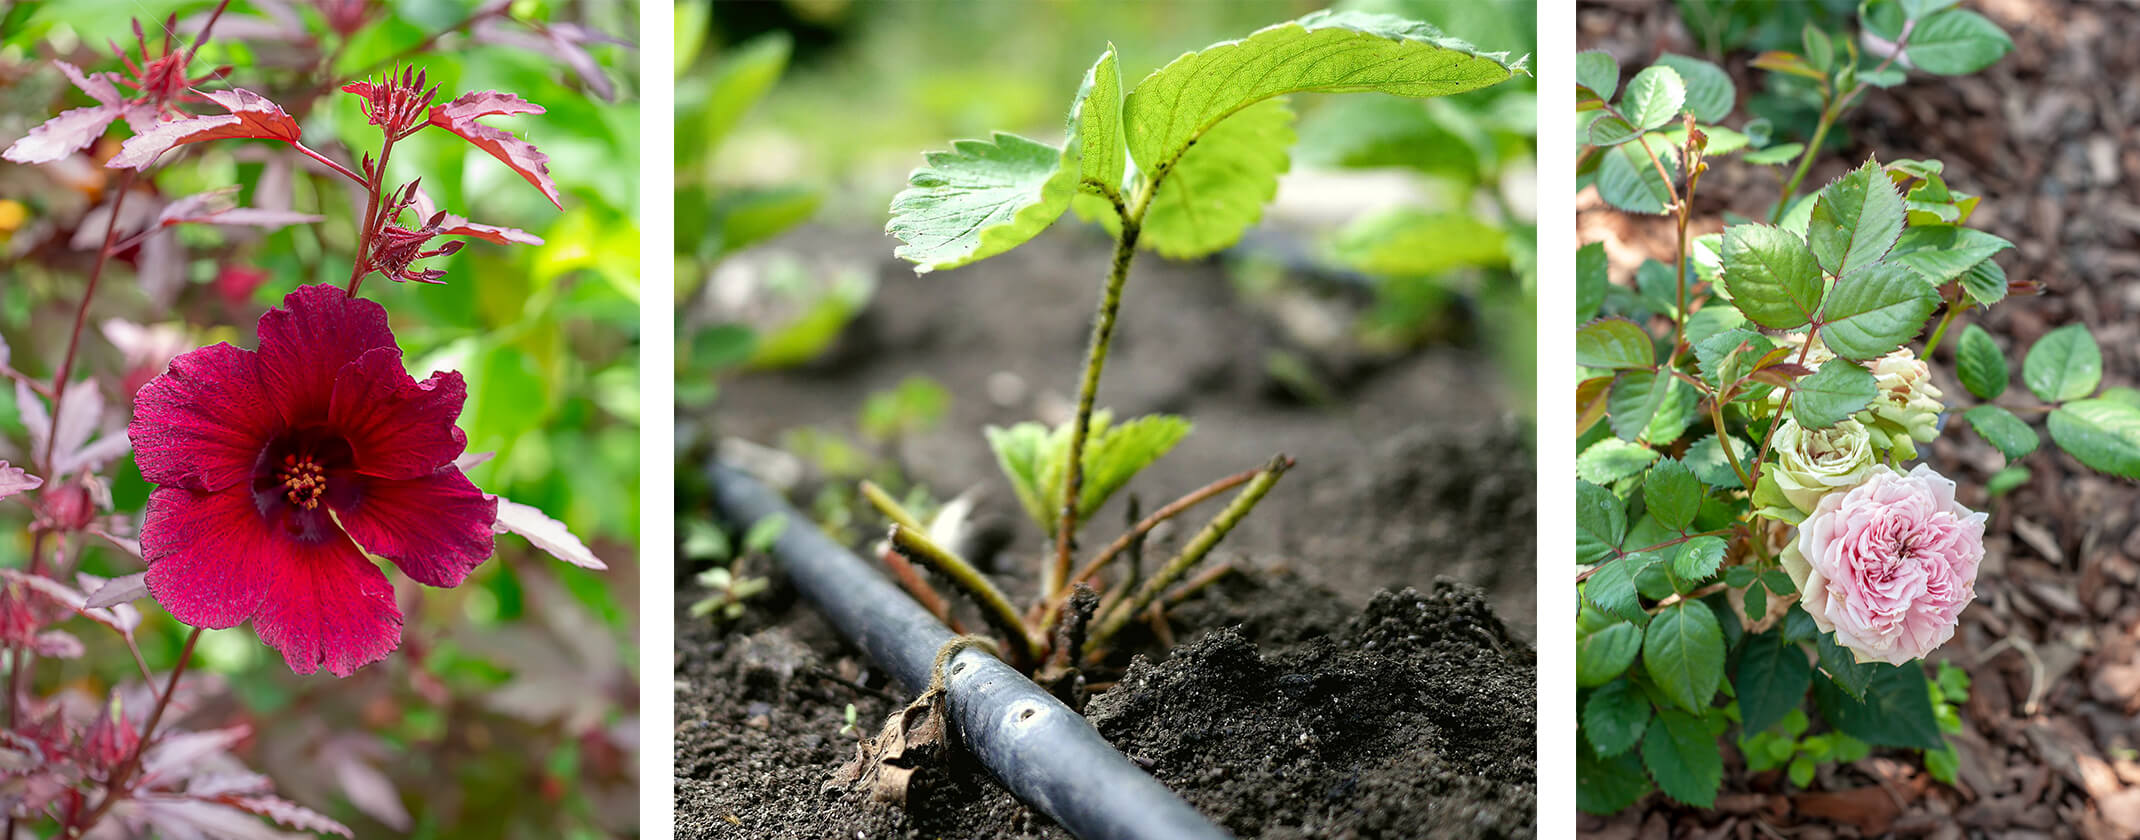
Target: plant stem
[(1130, 538), (1828, 115), (1954, 308), (125, 773), (974, 585), (1103, 330), (1194, 552), (81, 318), (374, 185)]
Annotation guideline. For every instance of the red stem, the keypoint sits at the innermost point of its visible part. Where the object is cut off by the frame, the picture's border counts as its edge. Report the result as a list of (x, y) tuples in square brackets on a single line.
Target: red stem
[(120, 777)]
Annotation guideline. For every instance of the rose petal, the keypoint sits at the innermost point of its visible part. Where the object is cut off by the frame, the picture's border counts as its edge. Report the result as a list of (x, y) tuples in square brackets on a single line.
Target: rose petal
[(399, 428), (328, 605), (436, 528), (305, 342), (212, 558), (202, 424)]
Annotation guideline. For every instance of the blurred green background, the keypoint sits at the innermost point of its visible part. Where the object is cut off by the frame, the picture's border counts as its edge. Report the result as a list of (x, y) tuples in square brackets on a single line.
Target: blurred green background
[(511, 709)]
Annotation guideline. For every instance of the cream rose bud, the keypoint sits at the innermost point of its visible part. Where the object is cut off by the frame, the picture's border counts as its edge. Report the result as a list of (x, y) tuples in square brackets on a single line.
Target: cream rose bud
[(1811, 463), (1887, 566), (1907, 397)]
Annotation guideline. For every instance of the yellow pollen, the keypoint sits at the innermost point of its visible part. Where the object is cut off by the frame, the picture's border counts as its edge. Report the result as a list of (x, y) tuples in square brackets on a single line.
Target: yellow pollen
[(303, 481)]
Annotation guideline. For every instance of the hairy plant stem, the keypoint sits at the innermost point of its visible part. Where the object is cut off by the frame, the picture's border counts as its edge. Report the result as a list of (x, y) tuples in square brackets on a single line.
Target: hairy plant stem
[(997, 609), (1205, 540), (125, 773), (1103, 330), (1136, 533)]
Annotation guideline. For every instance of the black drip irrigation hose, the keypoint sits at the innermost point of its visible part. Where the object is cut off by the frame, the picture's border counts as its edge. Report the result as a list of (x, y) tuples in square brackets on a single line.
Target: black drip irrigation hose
[(1047, 755)]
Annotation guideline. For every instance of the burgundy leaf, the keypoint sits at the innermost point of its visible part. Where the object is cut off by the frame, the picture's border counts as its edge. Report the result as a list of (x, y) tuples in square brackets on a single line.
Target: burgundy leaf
[(13, 480), (235, 783), (292, 814), (460, 115), (119, 590), (219, 207), (545, 533), (62, 135), (70, 598), (58, 644), (452, 225), (367, 788), (251, 116), (183, 819)]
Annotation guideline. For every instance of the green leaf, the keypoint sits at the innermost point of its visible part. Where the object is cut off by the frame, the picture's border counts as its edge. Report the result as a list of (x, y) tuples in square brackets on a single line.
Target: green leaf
[(978, 200), (1943, 764), (2065, 364), (1095, 126), (1673, 494), (1874, 311), (1613, 344), (1602, 655), (1771, 276), (1802, 769), (1756, 603), (1598, 71), (1985, 282), (1612, 459), (1956, 42), (1219, 187), (1683, 653), (1606, 785), (1408, 242), (1591, 280), (1609, 130), (1706, 458), (1116, 453), (1710, 93), (1839, 389), (1654, 96), (1629, 180), (1855, 220), (2003, 430), (1612, 587), (1943, 253), (1600, 522), (1615, 716), (1896, 710), (1843, 667), (1772, 678), (1324, 52), (2102, 433), (1697, 559), (1683, 757), (763, 533), (1979, 364), (1022, 451), (1635, 396), (1722, 360), (743, 78)]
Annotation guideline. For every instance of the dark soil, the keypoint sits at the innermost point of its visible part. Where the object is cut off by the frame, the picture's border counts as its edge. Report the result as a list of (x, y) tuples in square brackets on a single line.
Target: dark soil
[(1359, 727), (1314, 695), (2053, 640)]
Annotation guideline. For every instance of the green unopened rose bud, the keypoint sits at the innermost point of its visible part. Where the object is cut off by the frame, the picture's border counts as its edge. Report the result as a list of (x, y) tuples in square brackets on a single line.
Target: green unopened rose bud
[(1811, 463), (1908, 402)]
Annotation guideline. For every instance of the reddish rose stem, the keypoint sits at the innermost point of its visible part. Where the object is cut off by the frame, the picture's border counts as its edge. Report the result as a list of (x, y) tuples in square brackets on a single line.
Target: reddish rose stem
[(81, 318)]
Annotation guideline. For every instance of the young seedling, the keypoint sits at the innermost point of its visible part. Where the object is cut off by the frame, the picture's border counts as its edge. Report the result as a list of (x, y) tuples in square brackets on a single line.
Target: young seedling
[(1747, 415), (730, 588), (1182, 164)]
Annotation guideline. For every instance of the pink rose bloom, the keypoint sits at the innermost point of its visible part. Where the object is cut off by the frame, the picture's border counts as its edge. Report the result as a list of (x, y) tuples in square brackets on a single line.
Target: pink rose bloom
[(1888, 565)]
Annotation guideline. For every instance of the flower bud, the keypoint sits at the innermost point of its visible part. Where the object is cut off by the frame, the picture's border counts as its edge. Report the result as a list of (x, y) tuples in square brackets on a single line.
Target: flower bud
[(1811, 463)]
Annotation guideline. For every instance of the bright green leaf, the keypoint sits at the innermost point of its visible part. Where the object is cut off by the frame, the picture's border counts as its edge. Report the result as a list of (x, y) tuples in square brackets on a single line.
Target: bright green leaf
[(1673, 494), (1612, 459), (1771, 276), (978, 200), (2102, 433), (2003, 430), (1855, 220), (1707, 459), (1654, 96), (1697, 559), (1839, 389), (1217, 190), (2065, 364), (1604, 654), (1956, 42), (1615, 716), (1600, 522), (1095, 126), (1874, 311), (1598, 71), (1683, 757), (1683, 653), (1613, 344), (1710, 93), (1628, 179), (1979, 364)]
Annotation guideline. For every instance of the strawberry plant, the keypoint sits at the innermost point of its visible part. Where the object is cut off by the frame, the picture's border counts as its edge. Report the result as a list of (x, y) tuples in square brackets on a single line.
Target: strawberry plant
[(260, 479), (1752, 531), (1181, 163)]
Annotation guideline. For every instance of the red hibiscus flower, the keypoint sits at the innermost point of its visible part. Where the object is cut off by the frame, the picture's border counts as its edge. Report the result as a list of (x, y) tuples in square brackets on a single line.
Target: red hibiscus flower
[(276, 465)]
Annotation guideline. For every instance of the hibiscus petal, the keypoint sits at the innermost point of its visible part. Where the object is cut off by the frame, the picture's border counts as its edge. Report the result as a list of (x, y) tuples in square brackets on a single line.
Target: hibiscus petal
[(212, 558), (202, 424), (306, 341), (398, 427), (436, 528), (328, 605)]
